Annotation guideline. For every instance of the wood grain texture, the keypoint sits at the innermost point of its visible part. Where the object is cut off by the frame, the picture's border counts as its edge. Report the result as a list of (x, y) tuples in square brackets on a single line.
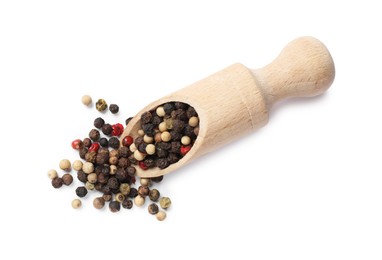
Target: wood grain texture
[(235, 101)]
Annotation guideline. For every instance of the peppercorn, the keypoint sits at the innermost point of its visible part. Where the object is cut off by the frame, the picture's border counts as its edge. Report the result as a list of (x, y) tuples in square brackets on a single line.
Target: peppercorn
[(113, 183), (119, 197), (162, 163), (153, 208), (165, 136), (57, 182), (86, 100), (76, 203), (160, 111), (113, 160), (172, 158), (157, 137), (161, 153), (169, 123), (131, 171), (89, 186), (107, 196), (148, 139), (150, 149), (128, 120), (99, 186), (114, 206), (67, 179), (101, 105), (123, 162), (146, 117), (143, 191), (83, 151), (124, 151), (156, 120), (196, 131), (102, 158), (149, 129), (65, 165), (77, 165), (87, 142), (82, 176), (107, 129), (191, 112), (193, 121), (114, 108), (175, 136), (77, 144), (157, 179), (178, 125), (140, 132), (102, 178), (81, 191), (99, 202), (117, 130), (179, 114), (154, 194), (127, 203), (122, 175), (185, 149), (88, 167), (161, 215), (91, 157), (168, 108), (165, 202), (133, 192), (142, 148), (139, 156), (164, 146), (132, 148), (145, 181), (175, 147), (113, 169), (142, 165), (127, 140), (98, 122), (139, 140), (139, 200), (52, 174), (114, 142), (162, 127), (149, 162), (94, 135), (92, 178)]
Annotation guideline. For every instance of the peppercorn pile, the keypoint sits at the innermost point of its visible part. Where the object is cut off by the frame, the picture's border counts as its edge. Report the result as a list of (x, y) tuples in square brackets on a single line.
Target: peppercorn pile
[(108, 165)]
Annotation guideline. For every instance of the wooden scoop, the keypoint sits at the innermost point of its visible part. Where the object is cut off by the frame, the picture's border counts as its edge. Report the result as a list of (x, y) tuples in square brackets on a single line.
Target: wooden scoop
[(235, 101)]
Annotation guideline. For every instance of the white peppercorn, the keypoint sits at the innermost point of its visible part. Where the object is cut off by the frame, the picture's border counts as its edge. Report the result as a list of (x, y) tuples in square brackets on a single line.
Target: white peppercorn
[(165, 136), (52, 174), (139, 156), (113, 169), (139, 201), (88, 167), (65, 165), (160, 111), (145, 181), (132, 148), (162, 127), (77, 165), (92, 178), (141, 132), (76, 203), (150, 149), (193, 121), (86, 100), (148, 139), (186, 140), (161, 215)]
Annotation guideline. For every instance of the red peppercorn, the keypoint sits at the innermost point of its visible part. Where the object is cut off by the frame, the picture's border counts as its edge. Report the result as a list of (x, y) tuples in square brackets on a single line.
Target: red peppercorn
[(184, 149), (77, 144), (142, 165), (117, 129), (94, 147), (127, 141)]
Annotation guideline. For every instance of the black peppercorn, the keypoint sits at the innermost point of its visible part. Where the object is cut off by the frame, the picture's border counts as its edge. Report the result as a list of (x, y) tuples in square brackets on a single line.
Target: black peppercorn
[(87, 142), (142, 147), (124, 152), (131, 171), (99, 186), (175, 147), (114, 206), (161, 153), (67, 179), (175, 136), (57, 182), (122, 175), (114, 108), (104, 142), (82, 177), (127, 203), (157, 179), (154, 194), (138, 141), (172, 158), (191, 112), (94, 135), (149, 162), (113, 183), (102, 178), (82, 152), (180, 105), (123, 163), (98, 122), (128, 120), (164, 145), (162, 163), (91, 157), (114, 142), (168, 108), (146, 117), (133, 192), (107, 129), (132, 159), (153, 208), (178, 125), (156, 120), (149, 129), (143, 191), (107, 196), (102, 158), (81, 191)]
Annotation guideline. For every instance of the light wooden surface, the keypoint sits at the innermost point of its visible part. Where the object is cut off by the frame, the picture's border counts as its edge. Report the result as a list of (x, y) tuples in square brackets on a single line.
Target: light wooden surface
[(235, 101)]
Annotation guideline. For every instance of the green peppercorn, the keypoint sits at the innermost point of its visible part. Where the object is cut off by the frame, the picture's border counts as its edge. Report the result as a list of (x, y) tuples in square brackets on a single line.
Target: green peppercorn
[(154, 194), (89, 186), (124, 188), (99, 202), (165, 202), (114, 206), (153, 209), (119, 197), (101, 105)]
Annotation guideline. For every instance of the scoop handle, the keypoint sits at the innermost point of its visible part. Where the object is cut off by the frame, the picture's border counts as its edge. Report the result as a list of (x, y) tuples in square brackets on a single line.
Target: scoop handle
[(304, 68)]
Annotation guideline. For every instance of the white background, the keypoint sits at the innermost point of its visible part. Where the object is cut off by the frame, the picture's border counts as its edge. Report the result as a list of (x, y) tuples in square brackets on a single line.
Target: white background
[(307, 186)]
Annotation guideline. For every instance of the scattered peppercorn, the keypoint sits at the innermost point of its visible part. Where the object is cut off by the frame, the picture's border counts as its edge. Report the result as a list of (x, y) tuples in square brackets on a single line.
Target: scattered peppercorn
[(119, 197), (161, 215), (114, 206), (76, 203), (143, 191), (87, 142), (86, 100), (114, 108), (153, 208), (127, 140), (57, 182), (139, 200), (94, 135), (154, 195), (81, 191), (127, 203), (65, 165), (101, 105), (52, 174), (99, 202), (77, 144), (67, 179), (127, 121), (165, 202)]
